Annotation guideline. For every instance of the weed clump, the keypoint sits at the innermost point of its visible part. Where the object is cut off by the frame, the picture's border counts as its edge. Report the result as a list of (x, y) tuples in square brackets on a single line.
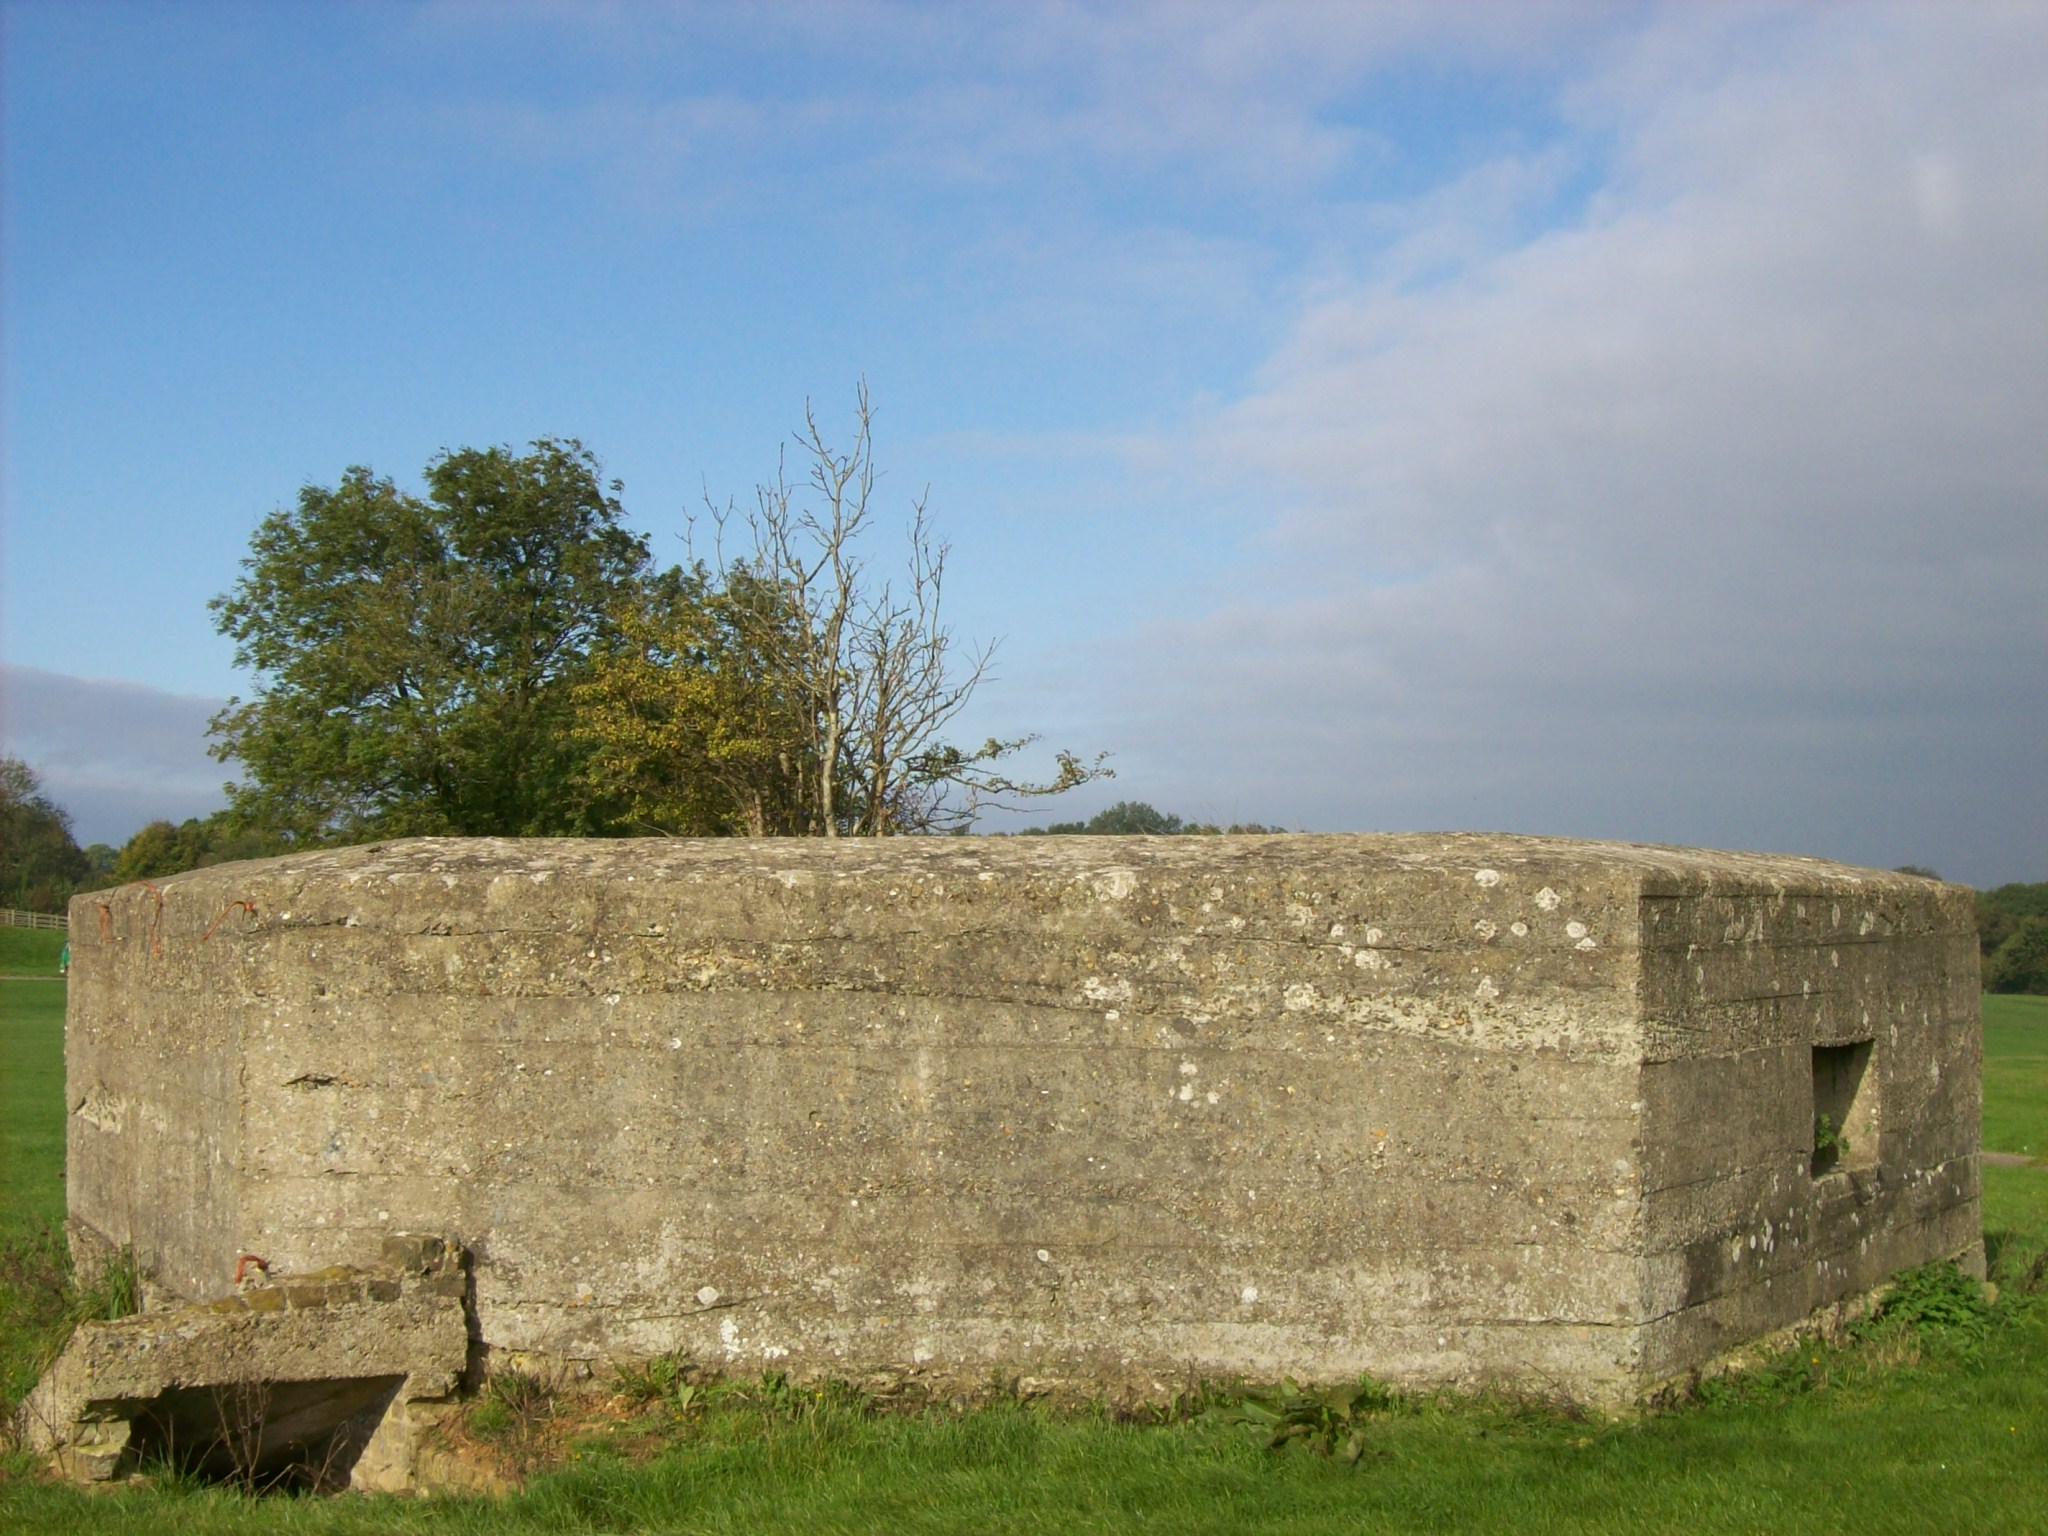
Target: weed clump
[(666, 1381), (513, 1410), (42, 1299), (1933, 1297), (1331, 1423)]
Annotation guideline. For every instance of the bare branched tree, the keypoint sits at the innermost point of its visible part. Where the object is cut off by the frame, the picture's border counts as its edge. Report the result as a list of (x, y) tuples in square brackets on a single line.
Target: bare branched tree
[(875, 670)]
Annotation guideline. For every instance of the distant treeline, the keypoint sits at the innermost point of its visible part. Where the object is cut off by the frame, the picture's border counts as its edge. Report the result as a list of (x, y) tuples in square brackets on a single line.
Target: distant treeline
[(41, 865), (1134, 818), (2012, 931)]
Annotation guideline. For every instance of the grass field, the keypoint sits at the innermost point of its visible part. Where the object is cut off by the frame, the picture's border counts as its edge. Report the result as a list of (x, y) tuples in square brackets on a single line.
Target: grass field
[(1928, 1425), (2016, 1075), (30, 951), (31, 1102)]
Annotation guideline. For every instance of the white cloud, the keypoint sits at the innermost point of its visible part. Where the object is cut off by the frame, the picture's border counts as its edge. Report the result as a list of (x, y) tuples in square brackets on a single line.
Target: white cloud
[(1246, 99), (115, 755), (1673, 468), (1717, 515)]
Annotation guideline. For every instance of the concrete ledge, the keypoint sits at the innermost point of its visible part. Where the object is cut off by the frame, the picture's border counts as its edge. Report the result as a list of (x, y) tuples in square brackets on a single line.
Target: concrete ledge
[(312, 1375)]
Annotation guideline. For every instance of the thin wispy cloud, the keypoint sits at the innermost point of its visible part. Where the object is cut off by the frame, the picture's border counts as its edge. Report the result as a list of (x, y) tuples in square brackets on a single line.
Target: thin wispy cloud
[(1265, 103)]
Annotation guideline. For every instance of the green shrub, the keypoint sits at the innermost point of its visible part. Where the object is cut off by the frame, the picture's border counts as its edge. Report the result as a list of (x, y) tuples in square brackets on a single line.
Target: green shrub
[(1328, 1423), (2000, 913), (2020, 963), (1935, 1296)]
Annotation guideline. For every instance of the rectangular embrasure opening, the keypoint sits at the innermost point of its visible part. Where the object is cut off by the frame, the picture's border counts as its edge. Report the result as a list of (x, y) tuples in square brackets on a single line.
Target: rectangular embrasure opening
[(260, 1436), (1844, 1108)]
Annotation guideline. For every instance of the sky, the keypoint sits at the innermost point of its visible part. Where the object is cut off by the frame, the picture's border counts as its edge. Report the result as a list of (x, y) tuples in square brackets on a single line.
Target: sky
[(1606, 421)]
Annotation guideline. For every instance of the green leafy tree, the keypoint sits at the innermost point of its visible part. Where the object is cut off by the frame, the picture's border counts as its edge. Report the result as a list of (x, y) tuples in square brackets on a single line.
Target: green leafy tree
[(153, 851), (687, 730), (416, 657), (2020, 963), (41, 863), (161, 849), (2001, 911), (1134, 818)]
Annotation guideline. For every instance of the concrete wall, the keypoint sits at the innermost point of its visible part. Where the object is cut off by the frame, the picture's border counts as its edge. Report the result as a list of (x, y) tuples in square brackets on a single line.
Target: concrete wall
[(1102, 1111)]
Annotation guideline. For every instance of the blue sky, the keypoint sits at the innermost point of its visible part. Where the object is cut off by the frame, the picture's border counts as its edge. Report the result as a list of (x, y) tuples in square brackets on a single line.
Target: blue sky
[(1614, 421)]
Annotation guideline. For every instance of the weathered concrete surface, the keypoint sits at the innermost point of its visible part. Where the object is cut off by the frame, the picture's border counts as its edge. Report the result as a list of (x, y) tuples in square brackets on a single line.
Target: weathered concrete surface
[(1104, 1111), (325, 1375)]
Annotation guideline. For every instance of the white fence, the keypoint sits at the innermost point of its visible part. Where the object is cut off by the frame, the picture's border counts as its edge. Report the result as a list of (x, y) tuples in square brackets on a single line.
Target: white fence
[(9, 918)]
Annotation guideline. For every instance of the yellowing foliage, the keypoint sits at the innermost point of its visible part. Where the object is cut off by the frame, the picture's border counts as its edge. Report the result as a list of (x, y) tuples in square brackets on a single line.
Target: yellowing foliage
[(685, 731)]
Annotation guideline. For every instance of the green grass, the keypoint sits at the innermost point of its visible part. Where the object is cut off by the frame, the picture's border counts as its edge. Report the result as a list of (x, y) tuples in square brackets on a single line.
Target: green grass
[(2016, 1074), (1924, 1427), (31, 1103), (34, 1306), (30, 951), (2016, 1120), (1952, 1442)]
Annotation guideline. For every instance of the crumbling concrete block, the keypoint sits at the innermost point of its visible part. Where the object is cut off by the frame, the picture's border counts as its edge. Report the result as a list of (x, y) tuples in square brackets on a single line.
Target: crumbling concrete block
[(1108, 1113), (325, 1377)]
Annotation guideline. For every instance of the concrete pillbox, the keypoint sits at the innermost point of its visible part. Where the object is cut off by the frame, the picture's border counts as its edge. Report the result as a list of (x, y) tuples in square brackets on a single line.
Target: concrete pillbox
[(1110, 1113)]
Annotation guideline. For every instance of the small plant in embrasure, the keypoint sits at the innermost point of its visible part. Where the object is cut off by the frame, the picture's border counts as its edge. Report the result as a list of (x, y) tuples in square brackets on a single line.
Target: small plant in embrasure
[(780, 1398), (1830, 1146), (1329, 1423)]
